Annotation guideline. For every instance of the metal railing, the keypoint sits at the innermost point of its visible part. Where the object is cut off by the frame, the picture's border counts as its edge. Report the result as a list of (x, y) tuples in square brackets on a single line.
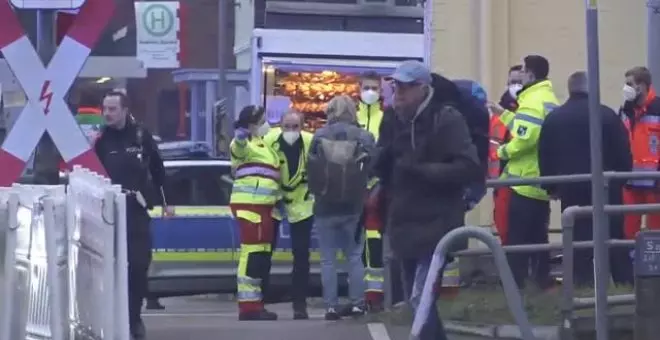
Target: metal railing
[(569, 303)]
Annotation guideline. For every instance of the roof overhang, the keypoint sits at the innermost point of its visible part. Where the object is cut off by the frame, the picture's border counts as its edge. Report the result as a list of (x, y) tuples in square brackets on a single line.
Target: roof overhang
[(393, 46)]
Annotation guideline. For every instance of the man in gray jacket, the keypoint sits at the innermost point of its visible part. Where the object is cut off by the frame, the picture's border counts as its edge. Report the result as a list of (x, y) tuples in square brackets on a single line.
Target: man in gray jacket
[(338, 170)]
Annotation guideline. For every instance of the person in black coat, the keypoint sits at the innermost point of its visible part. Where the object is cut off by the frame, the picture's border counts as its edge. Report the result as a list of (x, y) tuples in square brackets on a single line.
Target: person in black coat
[(427, 161), (564, 149)]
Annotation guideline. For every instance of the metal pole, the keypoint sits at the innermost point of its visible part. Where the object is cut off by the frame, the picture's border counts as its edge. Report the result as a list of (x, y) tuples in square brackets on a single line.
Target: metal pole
[(600, 222), (223, 62), (653, 37), (47, 157)]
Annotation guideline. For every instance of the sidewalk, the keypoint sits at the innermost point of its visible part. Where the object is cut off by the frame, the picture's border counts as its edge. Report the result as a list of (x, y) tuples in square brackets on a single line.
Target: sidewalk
[(210, 318)]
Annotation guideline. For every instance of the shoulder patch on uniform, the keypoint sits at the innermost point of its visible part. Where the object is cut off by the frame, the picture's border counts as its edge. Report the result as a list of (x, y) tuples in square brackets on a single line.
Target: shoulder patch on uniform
[(522, 131)]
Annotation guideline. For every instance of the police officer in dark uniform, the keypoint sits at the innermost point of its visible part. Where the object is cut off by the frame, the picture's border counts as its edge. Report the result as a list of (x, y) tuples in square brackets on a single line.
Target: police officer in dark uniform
[(130, 157)]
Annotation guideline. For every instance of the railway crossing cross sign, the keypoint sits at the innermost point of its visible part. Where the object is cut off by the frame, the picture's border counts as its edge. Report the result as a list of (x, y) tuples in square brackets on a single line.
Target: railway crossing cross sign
[(45, 87)]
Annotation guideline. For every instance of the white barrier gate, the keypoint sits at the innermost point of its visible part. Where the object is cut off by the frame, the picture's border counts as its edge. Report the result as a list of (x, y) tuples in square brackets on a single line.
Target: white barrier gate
[(65, 265)]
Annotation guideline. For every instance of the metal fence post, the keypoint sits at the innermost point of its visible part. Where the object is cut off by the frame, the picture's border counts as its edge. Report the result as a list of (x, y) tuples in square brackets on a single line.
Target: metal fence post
[(647, 285), (511, 291), (568, 255)]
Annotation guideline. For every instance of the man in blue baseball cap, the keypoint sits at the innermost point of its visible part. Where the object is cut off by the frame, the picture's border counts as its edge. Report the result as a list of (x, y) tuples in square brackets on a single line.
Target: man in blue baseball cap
[(427, 161), (411, 81)]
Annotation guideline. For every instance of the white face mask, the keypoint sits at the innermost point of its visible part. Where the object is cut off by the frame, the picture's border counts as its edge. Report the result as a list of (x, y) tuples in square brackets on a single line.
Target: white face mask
[(290, 137), (629, 93), (513, 90), (369, 97), (263, 129)]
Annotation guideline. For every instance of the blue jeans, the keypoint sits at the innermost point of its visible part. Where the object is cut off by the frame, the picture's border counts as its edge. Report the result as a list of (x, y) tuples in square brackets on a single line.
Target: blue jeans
[(414, 276), (339, 233)]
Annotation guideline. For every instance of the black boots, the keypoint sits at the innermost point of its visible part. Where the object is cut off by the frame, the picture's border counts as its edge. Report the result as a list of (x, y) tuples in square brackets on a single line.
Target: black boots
[(262, 315), (300, 311)]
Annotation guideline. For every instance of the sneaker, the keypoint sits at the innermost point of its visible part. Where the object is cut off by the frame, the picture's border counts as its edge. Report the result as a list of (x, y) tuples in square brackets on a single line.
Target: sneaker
[(332, 315), (352, 310)]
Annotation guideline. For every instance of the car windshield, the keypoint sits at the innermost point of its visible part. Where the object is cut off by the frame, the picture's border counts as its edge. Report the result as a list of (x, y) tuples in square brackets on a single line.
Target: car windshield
[(198, 185)]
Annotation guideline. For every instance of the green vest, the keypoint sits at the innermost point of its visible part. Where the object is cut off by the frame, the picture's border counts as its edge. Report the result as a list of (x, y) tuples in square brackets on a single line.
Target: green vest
[(369, 117), (298, 201), (521, 152)]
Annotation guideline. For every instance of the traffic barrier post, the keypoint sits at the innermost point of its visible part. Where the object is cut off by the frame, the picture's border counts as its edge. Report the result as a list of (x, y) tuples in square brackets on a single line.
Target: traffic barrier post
[(513, 296), (647, 285), (569, 303), (8, 226), (65, 261)]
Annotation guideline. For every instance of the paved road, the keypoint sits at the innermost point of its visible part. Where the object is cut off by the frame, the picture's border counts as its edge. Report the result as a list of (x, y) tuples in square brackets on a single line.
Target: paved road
[(208, 318)]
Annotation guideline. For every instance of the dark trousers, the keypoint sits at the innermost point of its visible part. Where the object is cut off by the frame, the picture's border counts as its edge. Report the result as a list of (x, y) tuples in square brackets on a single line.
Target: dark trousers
[(528, 224), (583, 268), (139, 259), (301, 234)]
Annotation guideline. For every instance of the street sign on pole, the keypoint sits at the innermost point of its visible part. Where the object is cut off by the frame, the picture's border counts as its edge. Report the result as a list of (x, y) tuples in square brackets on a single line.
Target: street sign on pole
[(45, 87), (47, 4)]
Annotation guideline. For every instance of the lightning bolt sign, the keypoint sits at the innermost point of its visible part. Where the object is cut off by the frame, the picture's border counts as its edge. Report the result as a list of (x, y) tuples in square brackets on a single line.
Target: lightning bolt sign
[(45, 87), (46, 95)]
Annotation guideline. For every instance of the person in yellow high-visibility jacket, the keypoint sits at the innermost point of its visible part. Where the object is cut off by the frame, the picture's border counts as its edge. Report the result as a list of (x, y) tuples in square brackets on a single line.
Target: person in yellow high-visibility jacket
[(529, 206), (256, 190), (370, 116), (292, 146)]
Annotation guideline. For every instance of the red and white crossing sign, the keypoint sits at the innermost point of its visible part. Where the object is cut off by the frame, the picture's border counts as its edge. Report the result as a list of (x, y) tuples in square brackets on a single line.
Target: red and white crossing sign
[(45, 87)]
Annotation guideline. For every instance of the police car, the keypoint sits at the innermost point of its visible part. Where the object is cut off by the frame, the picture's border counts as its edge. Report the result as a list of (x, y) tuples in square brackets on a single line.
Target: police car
[(196, 251)]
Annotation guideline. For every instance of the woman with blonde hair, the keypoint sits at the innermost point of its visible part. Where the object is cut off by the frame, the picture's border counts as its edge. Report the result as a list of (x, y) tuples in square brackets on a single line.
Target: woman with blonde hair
[(338, 172)]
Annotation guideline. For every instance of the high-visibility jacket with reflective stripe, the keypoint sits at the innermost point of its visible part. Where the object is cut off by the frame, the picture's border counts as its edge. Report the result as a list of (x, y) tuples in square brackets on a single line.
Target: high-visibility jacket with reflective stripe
[(256, 172), (498, 136), (369, 117), (643, 124), (298, 202), (521, 152)]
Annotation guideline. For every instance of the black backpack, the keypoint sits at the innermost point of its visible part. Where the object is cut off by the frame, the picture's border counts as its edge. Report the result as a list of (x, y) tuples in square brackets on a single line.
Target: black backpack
[(472, 104), (473, 107), (337, 172)]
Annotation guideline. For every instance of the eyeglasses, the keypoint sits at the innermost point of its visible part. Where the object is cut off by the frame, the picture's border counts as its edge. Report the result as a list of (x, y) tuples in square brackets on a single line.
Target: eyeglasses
[(401, 86), (291, 126)]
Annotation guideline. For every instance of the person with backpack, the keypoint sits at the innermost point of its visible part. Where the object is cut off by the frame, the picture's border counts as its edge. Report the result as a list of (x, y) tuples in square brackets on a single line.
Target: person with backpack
[(131, 158), (338, 171), (426, 162)]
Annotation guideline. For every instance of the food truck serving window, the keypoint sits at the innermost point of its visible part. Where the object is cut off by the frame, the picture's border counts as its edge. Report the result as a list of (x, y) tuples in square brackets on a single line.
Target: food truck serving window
[(307, 87)]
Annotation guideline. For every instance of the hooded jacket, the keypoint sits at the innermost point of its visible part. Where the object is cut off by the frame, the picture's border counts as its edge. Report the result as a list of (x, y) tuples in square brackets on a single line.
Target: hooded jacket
[(425, 165)]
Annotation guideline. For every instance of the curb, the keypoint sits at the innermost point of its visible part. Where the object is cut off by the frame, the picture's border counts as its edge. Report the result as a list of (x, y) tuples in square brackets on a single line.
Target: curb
[(500, 331)]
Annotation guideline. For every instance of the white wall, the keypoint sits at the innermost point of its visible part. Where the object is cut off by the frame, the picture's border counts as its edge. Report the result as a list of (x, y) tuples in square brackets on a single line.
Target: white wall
[(244, 12)]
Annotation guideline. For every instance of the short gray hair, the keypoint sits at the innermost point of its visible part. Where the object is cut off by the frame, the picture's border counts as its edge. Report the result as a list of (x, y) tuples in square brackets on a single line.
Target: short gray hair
[(342, 108), (577, 83)]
